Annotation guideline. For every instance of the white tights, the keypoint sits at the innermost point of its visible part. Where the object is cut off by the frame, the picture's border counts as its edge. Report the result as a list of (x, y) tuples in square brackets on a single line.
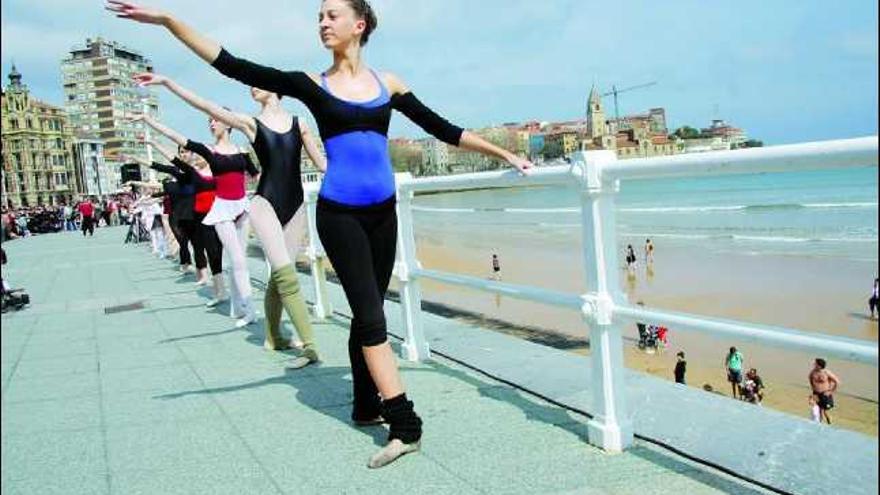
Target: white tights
[(232, 236), (280, 244), (157, 239)]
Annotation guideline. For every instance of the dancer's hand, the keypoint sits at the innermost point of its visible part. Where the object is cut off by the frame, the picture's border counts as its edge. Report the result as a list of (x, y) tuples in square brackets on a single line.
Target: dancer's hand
[(149, 79), (146, 15), (524, 166)]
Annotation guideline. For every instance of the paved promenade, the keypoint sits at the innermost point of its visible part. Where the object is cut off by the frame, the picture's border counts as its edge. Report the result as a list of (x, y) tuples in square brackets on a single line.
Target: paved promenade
[(171, 398)]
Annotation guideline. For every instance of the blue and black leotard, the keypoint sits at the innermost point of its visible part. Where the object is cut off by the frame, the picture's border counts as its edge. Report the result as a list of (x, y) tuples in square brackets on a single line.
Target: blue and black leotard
[(356, 219), (355, 134)]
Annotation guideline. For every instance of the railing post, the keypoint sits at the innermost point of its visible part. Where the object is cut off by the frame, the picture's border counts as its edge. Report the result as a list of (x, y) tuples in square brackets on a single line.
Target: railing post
[(415, 348), (323, 308), (611, 426)]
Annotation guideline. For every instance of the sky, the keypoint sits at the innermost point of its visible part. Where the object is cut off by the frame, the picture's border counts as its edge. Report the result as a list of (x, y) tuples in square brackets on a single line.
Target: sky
[(785, 71)]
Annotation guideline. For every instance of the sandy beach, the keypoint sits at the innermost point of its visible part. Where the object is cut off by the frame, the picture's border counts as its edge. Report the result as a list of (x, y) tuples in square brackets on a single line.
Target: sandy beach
[(819, 294)]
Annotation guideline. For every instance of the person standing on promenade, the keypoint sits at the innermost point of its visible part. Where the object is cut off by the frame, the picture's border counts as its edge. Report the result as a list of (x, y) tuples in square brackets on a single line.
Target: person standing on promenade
[(277, 209), (229, 212), (824, 383), (733, 362), (680, 368), (872, 301), (67, 214), (357, 221), (87, 216)]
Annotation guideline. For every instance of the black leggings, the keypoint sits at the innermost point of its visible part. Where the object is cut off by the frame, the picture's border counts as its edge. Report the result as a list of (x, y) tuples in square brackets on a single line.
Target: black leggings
[(88, 225), (183, 239), (205, 241), (190, 228), (360, 243)]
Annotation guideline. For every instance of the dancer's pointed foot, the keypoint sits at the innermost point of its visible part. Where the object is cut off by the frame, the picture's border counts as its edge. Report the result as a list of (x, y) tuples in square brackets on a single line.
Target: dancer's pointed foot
[(391, 452), (246, 320), (309, 356)]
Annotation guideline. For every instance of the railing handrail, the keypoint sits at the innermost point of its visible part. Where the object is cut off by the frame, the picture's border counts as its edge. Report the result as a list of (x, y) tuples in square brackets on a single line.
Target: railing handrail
[(817, 155), (604, 306), (857, 152)]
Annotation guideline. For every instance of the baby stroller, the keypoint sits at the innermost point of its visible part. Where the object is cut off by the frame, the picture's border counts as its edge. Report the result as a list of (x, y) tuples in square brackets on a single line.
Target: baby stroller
[(13, 299), (137, 232)]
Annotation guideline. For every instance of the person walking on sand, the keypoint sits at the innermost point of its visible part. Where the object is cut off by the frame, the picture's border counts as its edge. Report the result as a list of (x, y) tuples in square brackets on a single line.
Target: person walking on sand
[(649, 251), (680, 369), (733, 362), (630, 258), (872, 301), (824, 383), (496, 267)]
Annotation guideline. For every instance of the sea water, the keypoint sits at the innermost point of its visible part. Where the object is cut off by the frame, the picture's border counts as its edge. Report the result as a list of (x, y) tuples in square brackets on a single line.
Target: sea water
[(811, 213)]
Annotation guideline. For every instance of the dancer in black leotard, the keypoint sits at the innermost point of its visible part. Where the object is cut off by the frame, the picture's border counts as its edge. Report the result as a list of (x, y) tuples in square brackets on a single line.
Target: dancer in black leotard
[(277, 211), (192, 173), (356, 215)]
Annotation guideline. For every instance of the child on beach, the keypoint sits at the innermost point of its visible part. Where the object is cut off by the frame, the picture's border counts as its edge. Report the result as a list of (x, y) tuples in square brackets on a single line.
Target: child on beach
[(815, 414), (662, 337), (680, 368)]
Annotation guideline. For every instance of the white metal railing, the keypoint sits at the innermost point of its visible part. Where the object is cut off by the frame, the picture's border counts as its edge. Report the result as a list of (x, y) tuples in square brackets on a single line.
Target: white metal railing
[(604, 308)]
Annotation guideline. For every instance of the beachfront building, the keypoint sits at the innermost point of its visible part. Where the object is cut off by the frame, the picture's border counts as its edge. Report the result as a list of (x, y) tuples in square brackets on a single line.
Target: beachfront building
[(434, 156), (537, 142), (561, 143), (99, 92), (719, 136), (38, 166), (93, 176), (631, 136)]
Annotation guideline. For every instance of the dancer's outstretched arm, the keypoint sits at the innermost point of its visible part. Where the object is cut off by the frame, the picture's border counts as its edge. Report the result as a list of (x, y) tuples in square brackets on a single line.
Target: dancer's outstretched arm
[(242, 122), (178, 138), (294, 84), (203, 46), (406, 102), (148, 185), (164, 151), (311, 147)]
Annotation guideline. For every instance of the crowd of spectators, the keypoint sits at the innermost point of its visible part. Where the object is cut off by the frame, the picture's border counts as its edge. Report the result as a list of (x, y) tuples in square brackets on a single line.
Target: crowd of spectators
[(44, 219)]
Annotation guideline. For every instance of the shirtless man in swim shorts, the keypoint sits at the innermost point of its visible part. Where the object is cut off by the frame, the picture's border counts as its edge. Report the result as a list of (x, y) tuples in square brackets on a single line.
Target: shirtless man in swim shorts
[(824, 383)]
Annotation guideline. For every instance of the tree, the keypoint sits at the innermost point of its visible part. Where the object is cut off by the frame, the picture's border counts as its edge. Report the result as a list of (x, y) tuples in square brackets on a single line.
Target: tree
[(406, 159), (687, 132)]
